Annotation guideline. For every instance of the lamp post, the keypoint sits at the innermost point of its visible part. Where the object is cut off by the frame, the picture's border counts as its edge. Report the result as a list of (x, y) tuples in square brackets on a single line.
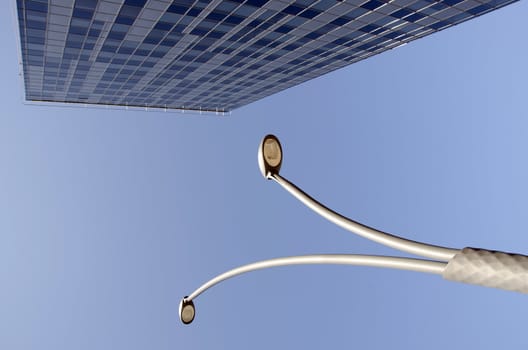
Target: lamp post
[(469, 265)]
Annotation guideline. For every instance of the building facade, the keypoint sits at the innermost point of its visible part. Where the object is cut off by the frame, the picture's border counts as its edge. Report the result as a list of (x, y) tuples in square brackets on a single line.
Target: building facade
[(210, 55)]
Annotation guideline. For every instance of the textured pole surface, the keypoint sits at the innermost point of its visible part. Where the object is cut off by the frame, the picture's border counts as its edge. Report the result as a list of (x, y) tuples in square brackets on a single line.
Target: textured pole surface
[(490, 269)]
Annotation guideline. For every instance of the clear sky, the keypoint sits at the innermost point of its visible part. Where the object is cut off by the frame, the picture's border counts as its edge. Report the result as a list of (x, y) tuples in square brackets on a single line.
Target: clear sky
[(109, 217)]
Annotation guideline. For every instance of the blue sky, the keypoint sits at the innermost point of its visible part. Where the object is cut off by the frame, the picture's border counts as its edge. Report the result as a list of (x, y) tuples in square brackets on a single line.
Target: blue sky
[(109, 217)]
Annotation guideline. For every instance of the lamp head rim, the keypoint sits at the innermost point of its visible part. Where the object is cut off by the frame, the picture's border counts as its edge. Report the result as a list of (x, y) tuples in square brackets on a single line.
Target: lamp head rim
[(270, 156), (186, 311)]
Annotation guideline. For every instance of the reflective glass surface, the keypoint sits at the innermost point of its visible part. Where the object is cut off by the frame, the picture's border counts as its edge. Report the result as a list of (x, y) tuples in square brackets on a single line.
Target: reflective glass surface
[(210, 55)]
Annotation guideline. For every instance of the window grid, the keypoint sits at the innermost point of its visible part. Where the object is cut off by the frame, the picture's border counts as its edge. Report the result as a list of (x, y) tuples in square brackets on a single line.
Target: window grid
[(211, 55)]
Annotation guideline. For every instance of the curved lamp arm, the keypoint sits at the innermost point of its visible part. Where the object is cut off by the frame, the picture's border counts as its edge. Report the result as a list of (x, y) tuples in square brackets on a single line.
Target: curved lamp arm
[(418, 265), (270, 161), (399, 243), (187, 309)]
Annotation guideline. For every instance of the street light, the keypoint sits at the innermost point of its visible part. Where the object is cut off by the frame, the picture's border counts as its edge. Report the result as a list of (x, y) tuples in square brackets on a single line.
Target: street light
[(469, 265)]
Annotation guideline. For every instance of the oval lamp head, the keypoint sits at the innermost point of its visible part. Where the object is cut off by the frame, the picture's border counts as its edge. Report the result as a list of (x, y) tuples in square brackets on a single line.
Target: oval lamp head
[(270, 156), (187, 311)]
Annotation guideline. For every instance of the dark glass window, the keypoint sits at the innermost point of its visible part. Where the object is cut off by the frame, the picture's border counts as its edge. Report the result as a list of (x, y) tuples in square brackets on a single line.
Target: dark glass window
[(133, 62), (36, 25), (313, 35), (233, 19), (78, 30), (136, 3), (194, 12), (129, 11), (168, 42), (86, 4), (82, 13), (401, 13), (174, 8), (74, 44), (451, 2), (125, 50), (479, 9), (257, 3), (284, 29), (125, 19), (157, 53), (198, 31), (215, 34), (459, 17), (293, 10), (140, 52), (414, 17), (439, 25), (310, 13), (372, 5), (116, 35), (109, 48), (216, 16), (36, 6), (81, 22)]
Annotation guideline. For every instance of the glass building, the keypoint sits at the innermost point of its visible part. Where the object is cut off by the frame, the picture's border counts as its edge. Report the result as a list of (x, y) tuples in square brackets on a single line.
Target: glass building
[(210, 55)]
